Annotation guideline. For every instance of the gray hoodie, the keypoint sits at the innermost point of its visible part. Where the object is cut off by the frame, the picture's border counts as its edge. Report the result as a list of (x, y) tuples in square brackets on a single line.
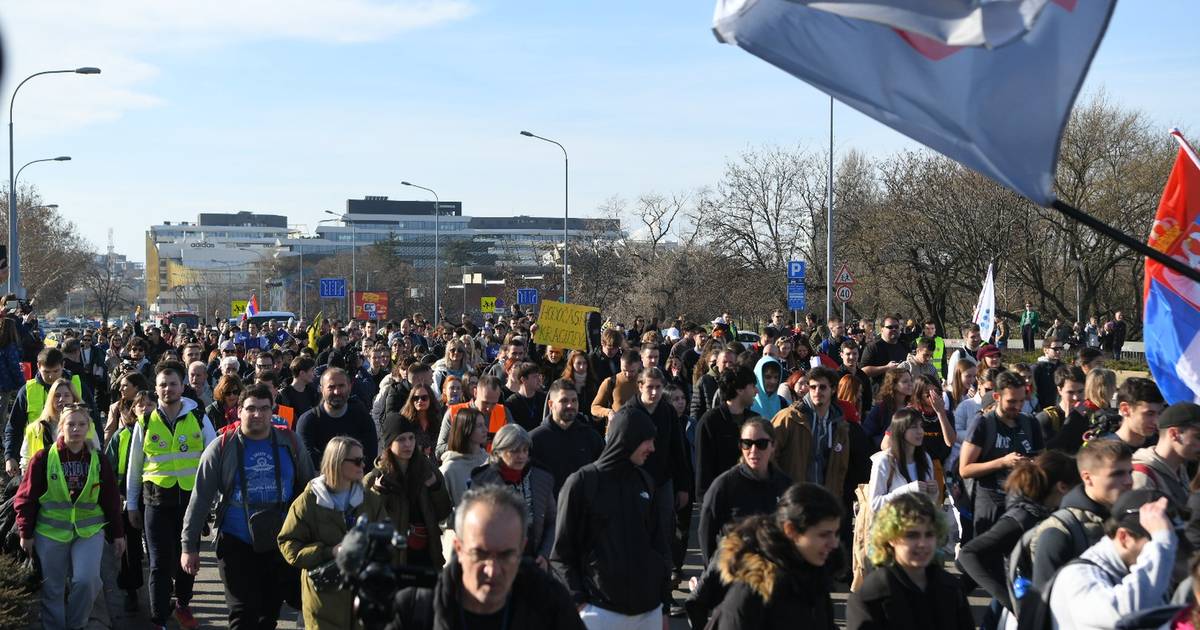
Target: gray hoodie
[(1173, 483), (456, 468), (1086, 596)]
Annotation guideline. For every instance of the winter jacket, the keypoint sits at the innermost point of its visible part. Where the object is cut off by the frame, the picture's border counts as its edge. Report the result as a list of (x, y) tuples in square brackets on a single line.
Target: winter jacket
[(1095, 594), (734, 495), (1054, 546), (433, 502), (888, 482), (769, 594), (614, 392), (456, 471), (794, 445), (537, 600), (11, 376), (717, 449), (563, 451), (317, 428), (312, 529), (527, 412), (1150, 471), (985, 556), (218, 472), (611, 544), (889, 600), (542, 503), (671, 460), (703, 393)]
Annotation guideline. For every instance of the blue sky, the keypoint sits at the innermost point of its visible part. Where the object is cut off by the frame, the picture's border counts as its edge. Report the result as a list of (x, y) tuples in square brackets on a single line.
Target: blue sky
[(293, 107)]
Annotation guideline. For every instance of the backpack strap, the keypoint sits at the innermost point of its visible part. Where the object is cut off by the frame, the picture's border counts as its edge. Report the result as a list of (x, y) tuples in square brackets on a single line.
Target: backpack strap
[(1075, 530), (1148, 471)]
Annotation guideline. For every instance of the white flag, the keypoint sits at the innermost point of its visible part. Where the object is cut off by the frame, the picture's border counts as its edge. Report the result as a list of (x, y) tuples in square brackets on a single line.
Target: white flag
[(985, 308), (997, 104)]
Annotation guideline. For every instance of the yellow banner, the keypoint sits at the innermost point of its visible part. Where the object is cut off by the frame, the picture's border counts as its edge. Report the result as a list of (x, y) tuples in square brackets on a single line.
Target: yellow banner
[(563, 325)]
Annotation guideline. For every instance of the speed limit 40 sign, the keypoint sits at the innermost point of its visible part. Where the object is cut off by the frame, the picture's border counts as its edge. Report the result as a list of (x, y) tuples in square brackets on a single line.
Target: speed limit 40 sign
[(844, 293)]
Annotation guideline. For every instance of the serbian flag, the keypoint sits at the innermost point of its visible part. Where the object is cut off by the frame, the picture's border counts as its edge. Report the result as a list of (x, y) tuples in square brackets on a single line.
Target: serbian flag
[(1172, 320), (252, 306), (989, 84)]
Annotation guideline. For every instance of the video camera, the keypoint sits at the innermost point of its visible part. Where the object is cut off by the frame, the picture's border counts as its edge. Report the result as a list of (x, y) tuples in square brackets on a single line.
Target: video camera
[(366, 564)]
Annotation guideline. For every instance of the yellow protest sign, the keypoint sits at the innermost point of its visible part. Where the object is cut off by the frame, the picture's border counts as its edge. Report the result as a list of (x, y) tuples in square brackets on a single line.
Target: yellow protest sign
[(237, 307), (487, 305), (563, 325)]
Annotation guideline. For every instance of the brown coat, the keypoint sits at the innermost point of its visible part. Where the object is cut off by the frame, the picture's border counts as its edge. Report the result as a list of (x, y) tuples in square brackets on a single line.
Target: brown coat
[(794, 447), (433, 501), (614, 392)]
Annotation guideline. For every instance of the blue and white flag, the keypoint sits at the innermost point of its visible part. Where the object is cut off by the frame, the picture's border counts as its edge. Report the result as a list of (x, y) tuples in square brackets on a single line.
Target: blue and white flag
[(985, 308), (989, 84)]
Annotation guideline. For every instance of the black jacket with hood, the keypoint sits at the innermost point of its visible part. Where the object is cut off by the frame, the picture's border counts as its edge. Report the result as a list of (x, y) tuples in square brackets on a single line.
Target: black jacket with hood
[(537, 600), (564, 451), (984, 557), (888, 600), (612, 545), (670, 460), (1054, 546)]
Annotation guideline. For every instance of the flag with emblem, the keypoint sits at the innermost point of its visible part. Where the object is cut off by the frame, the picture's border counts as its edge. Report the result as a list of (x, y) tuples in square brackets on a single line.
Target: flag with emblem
[(985, 307), (1172, 319), (989, 84)]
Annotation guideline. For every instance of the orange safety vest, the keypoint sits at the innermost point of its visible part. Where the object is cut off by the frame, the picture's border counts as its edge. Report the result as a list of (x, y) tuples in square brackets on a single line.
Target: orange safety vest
[(499, 418)]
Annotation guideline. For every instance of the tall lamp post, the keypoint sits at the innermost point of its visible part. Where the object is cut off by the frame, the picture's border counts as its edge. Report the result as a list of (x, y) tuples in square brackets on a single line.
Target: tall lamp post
[(14, 260), (437, 214), (566, 202)]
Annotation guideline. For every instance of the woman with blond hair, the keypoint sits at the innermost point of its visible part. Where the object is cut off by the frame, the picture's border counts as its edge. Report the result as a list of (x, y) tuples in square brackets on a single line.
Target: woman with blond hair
[(66, 500), (42, 432), (316, 523)]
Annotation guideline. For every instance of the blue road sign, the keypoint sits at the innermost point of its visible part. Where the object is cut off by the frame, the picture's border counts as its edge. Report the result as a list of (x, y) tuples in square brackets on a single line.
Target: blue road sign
[(797, 296), (796, 270), (333, 288), (527, 296)]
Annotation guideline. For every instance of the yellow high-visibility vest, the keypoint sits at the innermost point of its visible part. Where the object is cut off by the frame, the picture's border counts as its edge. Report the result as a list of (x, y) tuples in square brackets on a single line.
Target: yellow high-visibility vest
[(64, 520), (172, 457)]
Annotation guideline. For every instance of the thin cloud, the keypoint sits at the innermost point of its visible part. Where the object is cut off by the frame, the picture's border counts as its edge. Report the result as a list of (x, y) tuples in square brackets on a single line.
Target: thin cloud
[(123, 37)]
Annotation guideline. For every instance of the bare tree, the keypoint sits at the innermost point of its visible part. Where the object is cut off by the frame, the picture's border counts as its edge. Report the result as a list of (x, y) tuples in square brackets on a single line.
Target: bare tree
[(108, 288)]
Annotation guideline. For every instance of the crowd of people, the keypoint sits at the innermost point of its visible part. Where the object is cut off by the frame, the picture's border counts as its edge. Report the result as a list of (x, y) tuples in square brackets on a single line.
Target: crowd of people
[(555, 488)]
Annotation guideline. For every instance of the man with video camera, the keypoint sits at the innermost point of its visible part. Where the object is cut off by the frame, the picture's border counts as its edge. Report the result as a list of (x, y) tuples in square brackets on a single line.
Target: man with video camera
[(486, 585)]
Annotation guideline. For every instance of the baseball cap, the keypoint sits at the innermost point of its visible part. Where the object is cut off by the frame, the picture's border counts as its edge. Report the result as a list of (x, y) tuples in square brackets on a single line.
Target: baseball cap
[(988, 351), (228, 345), (1181, 414), (1125, 510)]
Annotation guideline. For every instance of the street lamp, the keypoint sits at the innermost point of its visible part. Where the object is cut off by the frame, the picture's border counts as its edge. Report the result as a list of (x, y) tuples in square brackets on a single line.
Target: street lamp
[(14, 260), (566, 202), (437, 213)]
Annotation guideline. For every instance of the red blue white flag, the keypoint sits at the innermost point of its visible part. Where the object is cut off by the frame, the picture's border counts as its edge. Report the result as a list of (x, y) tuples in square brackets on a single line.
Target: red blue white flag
[(1172, 319), (989, 84), (252, 306)]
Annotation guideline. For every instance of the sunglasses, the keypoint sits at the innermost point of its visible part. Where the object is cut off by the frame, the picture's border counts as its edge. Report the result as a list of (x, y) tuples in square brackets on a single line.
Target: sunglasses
[(420, 398), (1056, 348), (761, 443), (357, 461), (892, 327)]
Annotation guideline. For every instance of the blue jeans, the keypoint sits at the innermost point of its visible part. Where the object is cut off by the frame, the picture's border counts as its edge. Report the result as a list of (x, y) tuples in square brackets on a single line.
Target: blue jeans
[(164, 526)]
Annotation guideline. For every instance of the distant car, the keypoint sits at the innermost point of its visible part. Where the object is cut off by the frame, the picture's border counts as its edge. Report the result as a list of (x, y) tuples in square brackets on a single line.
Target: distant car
[(747, 337)]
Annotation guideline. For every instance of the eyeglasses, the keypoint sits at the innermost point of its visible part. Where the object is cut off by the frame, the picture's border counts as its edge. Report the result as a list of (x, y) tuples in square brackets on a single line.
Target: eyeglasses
[(357, 461), (1055, 348), (762, 444)]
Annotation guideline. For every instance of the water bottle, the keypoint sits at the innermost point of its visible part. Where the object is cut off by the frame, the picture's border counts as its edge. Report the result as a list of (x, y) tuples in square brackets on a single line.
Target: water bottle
[(1021, 586)]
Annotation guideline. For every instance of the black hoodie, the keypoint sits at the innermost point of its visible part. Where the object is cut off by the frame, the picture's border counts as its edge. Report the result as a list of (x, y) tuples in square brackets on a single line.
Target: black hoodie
[(564, 451), (611, 544), (1055, 547)]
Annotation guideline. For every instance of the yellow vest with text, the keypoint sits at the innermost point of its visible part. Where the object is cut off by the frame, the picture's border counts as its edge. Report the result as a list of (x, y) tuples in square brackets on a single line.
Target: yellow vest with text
[(172, 458), (61, 519), (35, 439), (35, 396)]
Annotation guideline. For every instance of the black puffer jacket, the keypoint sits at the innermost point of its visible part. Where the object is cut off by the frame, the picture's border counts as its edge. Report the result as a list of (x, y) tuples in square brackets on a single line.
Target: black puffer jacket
[(983, 558), (612, 542), (537, 601), (765, 594)]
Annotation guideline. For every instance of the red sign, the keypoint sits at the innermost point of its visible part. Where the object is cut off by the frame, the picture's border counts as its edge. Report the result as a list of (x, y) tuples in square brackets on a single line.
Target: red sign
[(370, 305)]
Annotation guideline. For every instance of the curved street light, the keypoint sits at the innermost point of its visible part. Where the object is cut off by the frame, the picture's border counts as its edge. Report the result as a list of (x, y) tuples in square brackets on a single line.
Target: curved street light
[(437, 213), (14, 260), (566, 202)]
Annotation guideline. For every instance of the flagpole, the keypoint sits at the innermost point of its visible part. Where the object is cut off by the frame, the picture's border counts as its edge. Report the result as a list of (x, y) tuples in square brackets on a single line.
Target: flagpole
[(1137, 246), (829, 228)]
